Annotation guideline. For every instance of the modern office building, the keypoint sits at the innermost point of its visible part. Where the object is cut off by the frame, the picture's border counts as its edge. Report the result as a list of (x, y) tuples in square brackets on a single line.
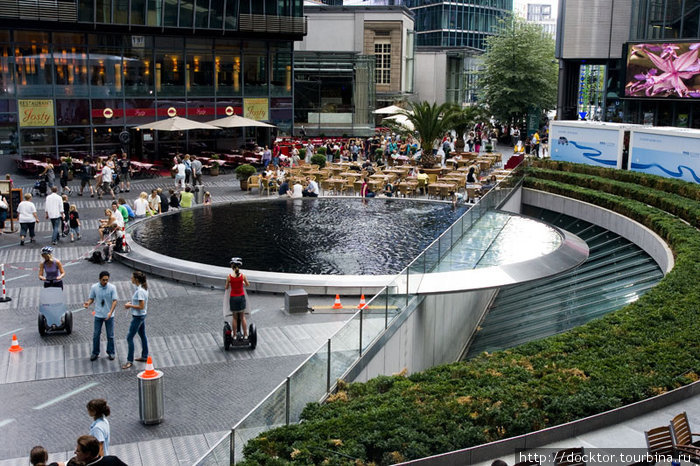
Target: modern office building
[(353, 60), (540, 12), (630, 61), (77, 74)]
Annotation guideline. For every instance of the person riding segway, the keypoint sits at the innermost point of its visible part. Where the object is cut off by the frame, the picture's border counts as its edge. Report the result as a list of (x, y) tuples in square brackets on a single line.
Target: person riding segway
[(244, 335), (53, 315)]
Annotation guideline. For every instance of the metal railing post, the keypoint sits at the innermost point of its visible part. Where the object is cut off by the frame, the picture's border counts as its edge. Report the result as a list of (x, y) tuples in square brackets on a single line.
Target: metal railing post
[(288, 400), (232, 443), (328, 368), (386, 309), (362, 311)]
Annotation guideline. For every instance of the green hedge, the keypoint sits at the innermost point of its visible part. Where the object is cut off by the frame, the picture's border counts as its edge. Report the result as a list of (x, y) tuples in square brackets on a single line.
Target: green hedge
[(318, 159), (659, 183), (644, 349)]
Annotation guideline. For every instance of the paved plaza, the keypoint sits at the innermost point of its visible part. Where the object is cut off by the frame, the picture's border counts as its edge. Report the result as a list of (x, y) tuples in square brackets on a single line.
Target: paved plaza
[(45, 388)]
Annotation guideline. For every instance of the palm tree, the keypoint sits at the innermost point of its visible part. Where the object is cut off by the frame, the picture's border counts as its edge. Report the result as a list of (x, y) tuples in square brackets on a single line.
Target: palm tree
[(430, 122), (464, 119)]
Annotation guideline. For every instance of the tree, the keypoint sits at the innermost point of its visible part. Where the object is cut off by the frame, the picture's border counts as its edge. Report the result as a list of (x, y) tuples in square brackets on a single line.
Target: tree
[(431, 122), (519, 72)]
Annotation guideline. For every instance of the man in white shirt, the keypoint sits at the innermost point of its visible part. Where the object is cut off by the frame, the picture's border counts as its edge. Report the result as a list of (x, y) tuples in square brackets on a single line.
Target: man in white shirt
[(54, 212), (311, 189), (107, 175), (28, 218)]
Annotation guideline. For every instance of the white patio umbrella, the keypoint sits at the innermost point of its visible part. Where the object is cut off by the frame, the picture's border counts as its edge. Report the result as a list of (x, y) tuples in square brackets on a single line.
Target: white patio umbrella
[(401, 120), (390, 110), (176, 124), (235, 121)]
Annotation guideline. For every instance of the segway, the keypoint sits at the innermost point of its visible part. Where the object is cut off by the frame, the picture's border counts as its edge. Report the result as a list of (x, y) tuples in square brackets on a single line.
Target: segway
[(237, 341), (53, 316)]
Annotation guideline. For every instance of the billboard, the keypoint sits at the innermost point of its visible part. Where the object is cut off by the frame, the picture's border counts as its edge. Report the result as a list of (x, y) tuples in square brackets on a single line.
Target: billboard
[(663, 70), (35, 112), (591, 144), (669, 153)]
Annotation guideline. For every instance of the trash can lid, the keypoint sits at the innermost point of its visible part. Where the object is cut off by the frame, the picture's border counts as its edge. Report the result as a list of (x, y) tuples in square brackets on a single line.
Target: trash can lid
[(150, 375)]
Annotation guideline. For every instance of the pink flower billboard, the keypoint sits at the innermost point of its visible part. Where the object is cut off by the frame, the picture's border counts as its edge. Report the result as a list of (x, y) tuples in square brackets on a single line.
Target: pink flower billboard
[(663, 70)]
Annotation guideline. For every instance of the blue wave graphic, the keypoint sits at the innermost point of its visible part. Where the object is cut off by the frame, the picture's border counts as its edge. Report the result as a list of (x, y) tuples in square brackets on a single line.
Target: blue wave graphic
[(676, 174), (593, 155)]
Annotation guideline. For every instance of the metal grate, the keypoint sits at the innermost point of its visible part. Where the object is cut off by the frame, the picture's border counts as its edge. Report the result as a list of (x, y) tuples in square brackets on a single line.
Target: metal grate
[(40, 10), (9, 8)]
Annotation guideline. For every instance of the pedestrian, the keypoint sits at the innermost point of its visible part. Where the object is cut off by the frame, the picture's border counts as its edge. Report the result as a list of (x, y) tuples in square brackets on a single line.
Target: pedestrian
[(126, 207), (237, 302), (54, 212), (207, 198), (64, 171), (40, 457), (174, 199), (186, 198), (180, 171), (188, 169), (139, 308), (74, 223), (4, 210), (86, 177), (196, 173), (164, 202), (104, 295), (50, 269), (141, 206), (107, 175), (536, 144), (27, 217), (48, 174), (99, 411), (124, 166), (87, 451), (64, 219), (154, 202)]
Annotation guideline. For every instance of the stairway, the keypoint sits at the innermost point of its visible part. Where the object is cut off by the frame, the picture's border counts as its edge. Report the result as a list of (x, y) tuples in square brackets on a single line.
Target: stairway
[(616, 273)]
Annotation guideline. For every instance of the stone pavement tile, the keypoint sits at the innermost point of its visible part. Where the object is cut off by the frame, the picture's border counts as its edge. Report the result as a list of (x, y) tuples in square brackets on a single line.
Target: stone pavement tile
[(187, 357), (103, 365), (4, 361), (15, 462), (178, 342), (214, 437), (49, 353), (78, 351), (78, 367), (159, 451), (128, 453), (50, 370), (242, 353), (22, 366), (156, 344), (200, 340), (189, 448), (210, 354), (159, 358)]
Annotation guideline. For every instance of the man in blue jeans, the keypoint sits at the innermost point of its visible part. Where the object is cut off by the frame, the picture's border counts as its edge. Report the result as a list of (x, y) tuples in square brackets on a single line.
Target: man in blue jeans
[(104, 295)]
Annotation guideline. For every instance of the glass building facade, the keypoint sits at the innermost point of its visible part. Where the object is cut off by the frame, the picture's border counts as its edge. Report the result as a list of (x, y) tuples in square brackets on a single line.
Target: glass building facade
[(77, 84), (458, 23)]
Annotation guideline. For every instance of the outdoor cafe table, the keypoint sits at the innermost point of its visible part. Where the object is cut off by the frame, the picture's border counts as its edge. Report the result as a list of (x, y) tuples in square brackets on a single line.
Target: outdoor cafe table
[(350, 174)]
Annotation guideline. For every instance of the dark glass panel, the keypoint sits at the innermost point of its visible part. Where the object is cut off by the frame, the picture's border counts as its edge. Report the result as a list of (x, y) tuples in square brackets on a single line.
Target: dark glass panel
[(121, 11), (255, 69), (200, 74), (216, 15), (33, 70), (73, 137), (98, 111), (170, 73), (86, 11), (139, 111), (154, 14), (186, 13), (104, 11), (9, 138), (38, 137), (231, 23), (171, 13), (138, 11), (202, 14), (138, 71), (72, 112)]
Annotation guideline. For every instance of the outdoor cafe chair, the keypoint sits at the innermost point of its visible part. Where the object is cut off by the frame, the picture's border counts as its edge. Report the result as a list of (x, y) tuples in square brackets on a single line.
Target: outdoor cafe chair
[(683, 437)]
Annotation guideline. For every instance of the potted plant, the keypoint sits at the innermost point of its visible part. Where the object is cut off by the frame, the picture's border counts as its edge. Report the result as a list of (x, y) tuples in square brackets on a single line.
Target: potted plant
[(214, 170), (243, 172), (319, 160), (69, 162)]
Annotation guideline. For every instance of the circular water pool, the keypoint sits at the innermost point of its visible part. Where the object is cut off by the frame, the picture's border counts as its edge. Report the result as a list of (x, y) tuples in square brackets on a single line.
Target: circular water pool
[(325, 236)]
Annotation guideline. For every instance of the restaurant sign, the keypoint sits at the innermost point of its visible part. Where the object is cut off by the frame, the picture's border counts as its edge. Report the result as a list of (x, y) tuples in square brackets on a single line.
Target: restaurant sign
[(35, 113), (256, 109)]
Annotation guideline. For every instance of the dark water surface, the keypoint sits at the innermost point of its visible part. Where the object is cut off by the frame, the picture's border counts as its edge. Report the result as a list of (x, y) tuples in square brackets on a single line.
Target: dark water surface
[(309, 236)]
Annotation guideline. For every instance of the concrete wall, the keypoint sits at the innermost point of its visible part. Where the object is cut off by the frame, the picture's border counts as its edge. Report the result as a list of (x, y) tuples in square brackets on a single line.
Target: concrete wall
[(435, 332), (593, 28), (430, 76)]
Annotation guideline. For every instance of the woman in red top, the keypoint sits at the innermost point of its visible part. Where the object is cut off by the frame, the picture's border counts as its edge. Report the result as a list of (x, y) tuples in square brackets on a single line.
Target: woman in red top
[(237, 297)]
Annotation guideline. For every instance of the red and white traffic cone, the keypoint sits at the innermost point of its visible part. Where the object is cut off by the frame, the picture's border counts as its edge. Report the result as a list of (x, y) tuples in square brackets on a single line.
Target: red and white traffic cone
[(362, 304), (15, 348), (337, 304)]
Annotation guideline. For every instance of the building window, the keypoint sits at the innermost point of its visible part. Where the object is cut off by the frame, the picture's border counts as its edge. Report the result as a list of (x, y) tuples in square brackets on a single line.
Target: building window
[(382, 54)]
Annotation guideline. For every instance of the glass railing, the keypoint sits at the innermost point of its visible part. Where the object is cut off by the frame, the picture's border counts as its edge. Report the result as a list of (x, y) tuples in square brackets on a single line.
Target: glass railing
[(314, 379)]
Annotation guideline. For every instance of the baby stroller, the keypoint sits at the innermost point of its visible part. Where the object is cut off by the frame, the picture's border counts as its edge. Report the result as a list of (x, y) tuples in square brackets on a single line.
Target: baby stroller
[(40, 187)]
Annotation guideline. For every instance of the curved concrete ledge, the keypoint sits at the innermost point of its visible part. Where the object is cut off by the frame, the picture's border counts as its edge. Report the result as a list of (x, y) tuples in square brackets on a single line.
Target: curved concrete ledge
[(571, 253), (634, 231), (561, 432)]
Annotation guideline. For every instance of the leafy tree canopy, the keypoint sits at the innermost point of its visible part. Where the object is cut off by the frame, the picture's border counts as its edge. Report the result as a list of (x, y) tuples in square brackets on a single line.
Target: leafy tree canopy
[(519, 70)]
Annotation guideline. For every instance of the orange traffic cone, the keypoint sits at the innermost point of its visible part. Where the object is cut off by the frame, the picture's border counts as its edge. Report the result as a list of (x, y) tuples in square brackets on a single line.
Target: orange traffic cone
[(362, 302), (337, 304), (15, 348), (150, 372)]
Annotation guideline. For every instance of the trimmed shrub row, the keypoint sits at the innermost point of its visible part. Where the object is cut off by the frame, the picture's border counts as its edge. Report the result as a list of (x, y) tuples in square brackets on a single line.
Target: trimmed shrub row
[(660, 183), (683, 207), (644, 349)]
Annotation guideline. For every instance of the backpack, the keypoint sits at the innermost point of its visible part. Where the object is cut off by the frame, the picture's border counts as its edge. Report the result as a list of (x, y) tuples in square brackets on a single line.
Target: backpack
[(96, 258)]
